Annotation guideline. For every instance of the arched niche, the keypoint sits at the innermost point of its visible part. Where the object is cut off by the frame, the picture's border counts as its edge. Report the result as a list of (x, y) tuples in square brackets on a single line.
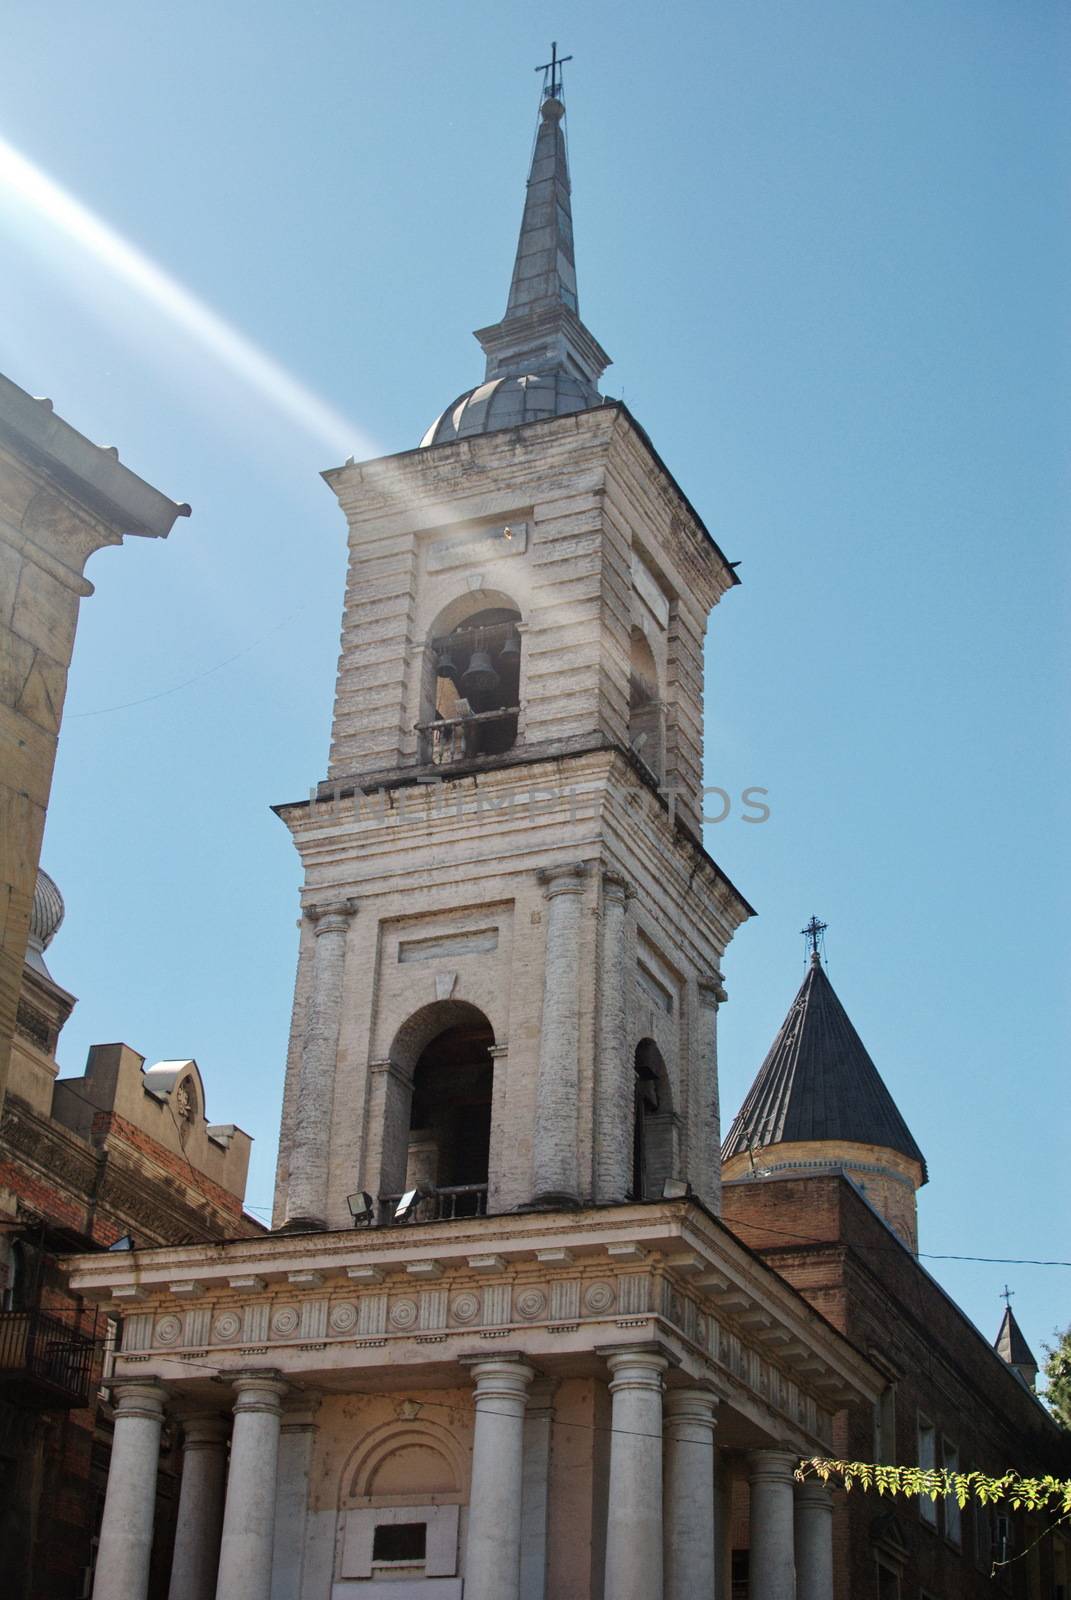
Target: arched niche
[(437, 1115), (399, 1463), (645, 718), (654, 1126), (471, 679)]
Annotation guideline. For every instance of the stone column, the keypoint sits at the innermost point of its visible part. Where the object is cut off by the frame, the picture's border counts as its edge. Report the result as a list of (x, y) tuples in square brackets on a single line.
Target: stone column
[(688, 1494), (554, 1164), (634, 1515), (535, 1498), (705, 1141), (493, 1547), (306, 1199), (130, 1502), (614, 1092), (723, 1524), (249, 1517), (773, 1561), (200, 1508), (814, 1541), (296, 1442)]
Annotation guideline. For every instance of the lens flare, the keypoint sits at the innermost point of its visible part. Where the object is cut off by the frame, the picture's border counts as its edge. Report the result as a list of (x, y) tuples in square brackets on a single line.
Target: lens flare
[(33, 188)]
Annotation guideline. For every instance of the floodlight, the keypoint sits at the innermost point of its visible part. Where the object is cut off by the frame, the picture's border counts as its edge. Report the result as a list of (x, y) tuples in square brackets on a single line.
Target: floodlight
[(125, 1243), (362, 1208), (403, 1211), (676, 1189)]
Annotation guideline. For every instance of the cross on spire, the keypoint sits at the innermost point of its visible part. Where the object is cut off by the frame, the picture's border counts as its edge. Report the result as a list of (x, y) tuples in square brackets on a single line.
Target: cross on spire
[(552, 73), (813, 933), (1006, 1296)]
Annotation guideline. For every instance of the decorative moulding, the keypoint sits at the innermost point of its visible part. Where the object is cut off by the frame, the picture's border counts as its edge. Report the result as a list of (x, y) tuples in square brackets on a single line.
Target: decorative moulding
[(487, 1263), (424, 1269)]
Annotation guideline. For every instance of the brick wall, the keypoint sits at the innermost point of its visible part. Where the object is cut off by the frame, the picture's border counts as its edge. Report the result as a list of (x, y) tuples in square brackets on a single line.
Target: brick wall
[(824, 1239)]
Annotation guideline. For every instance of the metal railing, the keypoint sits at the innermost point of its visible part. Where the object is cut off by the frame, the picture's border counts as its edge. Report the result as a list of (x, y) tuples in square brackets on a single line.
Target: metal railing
[(43, 1361), (450, 739), (439, 1205)]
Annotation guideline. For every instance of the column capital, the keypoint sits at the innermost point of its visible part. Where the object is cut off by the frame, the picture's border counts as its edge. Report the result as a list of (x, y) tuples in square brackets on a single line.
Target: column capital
[(204, 1431), (506, 1377), (814, 1495), (299, 1410), (330, 916), (775, 1465), (634, 1367), (694, 1405), (259, 1391), (567, 879), (616, 890), (146, 1398)]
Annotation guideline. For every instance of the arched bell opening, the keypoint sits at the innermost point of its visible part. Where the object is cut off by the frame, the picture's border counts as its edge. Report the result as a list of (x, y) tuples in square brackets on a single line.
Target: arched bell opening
[(450, 1119), (436, 1117), (652, 1124), (645, 721), (472, 684)]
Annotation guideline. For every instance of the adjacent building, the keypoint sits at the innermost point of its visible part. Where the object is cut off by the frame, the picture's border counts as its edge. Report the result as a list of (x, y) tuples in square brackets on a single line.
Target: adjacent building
[(61, 498), (820, 1176), (121, 1157)]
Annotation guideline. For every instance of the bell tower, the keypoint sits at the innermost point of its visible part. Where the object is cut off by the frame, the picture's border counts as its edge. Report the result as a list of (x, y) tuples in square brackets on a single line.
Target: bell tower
[(509, 966)]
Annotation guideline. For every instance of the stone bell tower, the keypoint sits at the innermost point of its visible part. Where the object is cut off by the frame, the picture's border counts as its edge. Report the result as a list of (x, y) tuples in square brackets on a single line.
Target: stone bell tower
[(509, 967)]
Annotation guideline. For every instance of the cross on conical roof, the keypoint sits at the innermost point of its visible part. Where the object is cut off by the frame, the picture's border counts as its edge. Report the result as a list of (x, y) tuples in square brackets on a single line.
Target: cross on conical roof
[(1010, 1344), (819, 1083)]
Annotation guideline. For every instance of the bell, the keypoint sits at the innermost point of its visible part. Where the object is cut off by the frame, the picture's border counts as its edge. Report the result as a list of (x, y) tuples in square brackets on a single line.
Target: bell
[(479, 676), (511, 649), (446, 666)]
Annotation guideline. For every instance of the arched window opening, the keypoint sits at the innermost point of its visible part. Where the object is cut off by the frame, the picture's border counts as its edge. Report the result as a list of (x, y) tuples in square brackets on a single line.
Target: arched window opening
[(652, 1126), (450, 1121), (477, 668), (644, 704)]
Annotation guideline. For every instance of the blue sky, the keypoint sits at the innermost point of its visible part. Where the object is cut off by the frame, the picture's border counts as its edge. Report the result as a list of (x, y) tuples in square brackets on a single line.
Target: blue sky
[(828, 248)]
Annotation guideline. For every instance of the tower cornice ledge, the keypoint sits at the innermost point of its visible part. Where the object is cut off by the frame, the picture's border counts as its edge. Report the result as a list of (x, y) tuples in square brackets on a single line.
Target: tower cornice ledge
[(407, 487)]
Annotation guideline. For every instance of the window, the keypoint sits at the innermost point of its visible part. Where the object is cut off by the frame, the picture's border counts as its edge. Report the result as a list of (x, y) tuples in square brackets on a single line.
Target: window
[(887, 1586), (953, 1514), (885, 1426), (927, 1452), (400, 1541)]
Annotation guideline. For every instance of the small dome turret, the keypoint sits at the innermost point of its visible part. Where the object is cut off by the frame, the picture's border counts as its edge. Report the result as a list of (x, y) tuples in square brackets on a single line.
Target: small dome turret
[(506, 402), (46, 915)]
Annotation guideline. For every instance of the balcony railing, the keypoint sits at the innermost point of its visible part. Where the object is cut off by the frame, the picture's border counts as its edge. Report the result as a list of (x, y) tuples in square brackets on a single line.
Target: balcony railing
[(439, 1205), (44, 1363), (450, 739)]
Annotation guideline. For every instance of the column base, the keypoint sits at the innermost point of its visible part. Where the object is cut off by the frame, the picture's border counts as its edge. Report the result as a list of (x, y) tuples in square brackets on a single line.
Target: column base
[(303, 1225)]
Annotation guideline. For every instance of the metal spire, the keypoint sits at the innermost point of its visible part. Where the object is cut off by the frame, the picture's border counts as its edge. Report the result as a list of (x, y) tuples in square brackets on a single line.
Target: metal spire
[(542, 331)]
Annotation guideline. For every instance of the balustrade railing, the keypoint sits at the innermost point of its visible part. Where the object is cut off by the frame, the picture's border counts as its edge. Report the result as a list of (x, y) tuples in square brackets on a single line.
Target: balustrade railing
[(439, 1204), (43, 1362)]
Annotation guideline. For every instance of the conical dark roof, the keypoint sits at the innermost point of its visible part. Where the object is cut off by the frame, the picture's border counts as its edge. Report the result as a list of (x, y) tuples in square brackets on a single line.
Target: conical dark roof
[(818, 1082), (1010, 1344)]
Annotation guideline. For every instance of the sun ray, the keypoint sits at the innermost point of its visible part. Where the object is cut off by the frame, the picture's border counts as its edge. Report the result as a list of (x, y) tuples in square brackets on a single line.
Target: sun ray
[(28, 184)]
